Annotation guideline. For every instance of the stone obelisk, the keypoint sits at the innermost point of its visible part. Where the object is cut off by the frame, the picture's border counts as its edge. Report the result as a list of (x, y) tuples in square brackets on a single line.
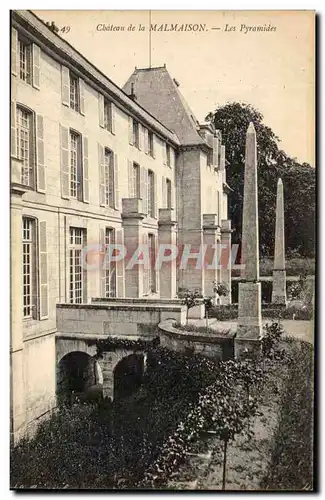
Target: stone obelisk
[(279, 295), (249, 302)]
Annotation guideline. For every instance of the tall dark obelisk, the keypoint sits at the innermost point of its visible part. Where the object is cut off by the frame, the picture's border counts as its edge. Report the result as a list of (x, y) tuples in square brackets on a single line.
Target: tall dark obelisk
[(249, 303)]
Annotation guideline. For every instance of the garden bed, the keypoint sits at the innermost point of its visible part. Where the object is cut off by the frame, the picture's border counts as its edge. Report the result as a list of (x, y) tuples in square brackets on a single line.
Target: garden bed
[(279, 455)]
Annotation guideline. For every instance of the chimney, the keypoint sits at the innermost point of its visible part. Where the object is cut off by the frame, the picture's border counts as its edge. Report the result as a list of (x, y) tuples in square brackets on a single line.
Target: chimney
[(132, 95)]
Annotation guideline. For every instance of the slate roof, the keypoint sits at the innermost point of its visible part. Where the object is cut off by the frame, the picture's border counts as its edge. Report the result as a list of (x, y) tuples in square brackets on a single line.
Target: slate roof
[(65, 53), (157, 92)]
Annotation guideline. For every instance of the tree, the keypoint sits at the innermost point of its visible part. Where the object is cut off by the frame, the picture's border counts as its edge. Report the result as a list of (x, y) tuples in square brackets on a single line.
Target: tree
[(190, 298), (298, 179)]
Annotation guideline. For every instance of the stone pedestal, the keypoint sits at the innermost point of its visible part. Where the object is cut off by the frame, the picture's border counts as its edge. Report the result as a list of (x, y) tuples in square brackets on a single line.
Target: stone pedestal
[(249, 311), (132, 217), (190, 270), (211, 238), (166, 247), (197, 312), (225, 260), (279, 292)]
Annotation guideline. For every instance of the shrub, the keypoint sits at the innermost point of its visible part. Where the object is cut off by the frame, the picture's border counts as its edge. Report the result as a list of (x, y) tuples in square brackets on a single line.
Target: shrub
[(291, 466), (271, 337)]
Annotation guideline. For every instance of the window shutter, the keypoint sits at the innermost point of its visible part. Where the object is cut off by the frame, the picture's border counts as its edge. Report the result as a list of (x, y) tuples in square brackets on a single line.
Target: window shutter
[(120, 273), (164, 192), (40, 156), (154, 270), (101, 109), (173, 202), (164, 153), (218, 207), (13, 138), (101, 162), (131, 130), (172, 158), (144, 189), (65, 166), (14, 51), (85, 172), (130, 179), (153, 146), (82, 95), (155, 192), (65, 85), (116, 187), (101, 261), (43, 273), (113, 111), (36, 66), (146, 141), (145, 271), (215, 155), (141, 137)]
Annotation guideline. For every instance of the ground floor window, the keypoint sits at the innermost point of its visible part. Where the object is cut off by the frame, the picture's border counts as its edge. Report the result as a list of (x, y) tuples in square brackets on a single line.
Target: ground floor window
[(110, 271), (151, 270), (77, 271), (29, 267)]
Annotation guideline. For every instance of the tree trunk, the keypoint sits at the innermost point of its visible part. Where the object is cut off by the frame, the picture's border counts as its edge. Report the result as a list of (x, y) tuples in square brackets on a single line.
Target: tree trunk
[(224, 465), (207, 319)]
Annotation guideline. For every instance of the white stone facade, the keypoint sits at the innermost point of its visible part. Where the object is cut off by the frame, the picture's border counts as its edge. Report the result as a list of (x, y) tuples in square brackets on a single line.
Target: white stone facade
[(43, 90)]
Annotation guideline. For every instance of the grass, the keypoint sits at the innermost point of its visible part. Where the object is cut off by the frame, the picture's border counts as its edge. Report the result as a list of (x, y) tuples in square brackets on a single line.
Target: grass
[(203, 330), (292, 455), (294, 267)]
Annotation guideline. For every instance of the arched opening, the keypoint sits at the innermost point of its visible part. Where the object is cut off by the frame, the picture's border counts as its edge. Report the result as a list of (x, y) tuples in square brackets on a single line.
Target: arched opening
[(78, 376), (128, 375)]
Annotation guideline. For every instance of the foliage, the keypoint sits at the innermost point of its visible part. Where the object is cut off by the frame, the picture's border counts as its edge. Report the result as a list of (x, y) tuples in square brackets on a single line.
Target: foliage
[(190, 298), (271, 337), (295, 266), (85, 446), (226, 332), (112, 343), (298, 179), (221, 289), (291, 467), (221, 407), (224, 312)]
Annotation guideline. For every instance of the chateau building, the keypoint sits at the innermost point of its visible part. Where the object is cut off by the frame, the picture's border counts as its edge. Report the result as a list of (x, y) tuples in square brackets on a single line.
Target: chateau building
[(94, 164)]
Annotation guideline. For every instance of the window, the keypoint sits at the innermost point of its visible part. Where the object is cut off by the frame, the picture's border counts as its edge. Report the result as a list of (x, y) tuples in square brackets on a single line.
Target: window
[(151, 194), (74, 93), (77, 276), (135, 132), (25, 146), (136, 180), (108, 115), (169, 193), (109, 177), (168, 154), (25, 61), (150, 144), (76, 176), (29, 268), (152, 272), (110, 274)]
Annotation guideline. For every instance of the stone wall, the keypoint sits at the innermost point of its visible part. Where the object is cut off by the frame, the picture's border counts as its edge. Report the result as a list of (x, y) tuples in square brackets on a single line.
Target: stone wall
[(134, 320), (212, 346)]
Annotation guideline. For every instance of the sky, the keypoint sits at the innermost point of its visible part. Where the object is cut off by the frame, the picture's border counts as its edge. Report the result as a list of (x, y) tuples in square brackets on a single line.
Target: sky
[(272, 70)]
